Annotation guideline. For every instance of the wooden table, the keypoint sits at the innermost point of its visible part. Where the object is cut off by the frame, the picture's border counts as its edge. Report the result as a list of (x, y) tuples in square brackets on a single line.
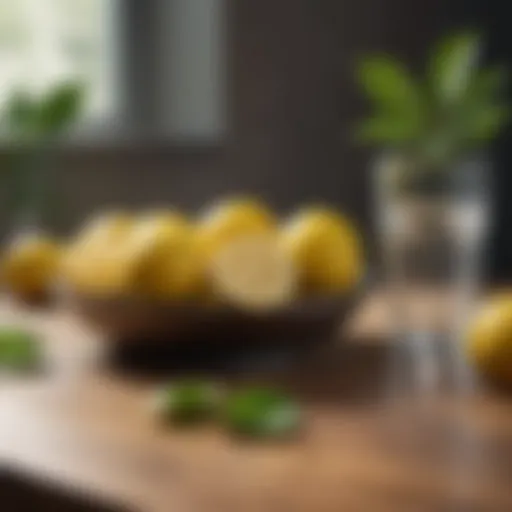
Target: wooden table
[(362, 448)]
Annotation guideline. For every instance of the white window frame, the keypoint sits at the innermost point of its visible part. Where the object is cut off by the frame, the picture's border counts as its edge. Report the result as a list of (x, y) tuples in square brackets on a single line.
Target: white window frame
[(168, 64), (171, 71)]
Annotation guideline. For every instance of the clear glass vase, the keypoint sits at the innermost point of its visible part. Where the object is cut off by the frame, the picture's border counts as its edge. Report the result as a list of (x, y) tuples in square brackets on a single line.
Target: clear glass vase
[(432, 223)]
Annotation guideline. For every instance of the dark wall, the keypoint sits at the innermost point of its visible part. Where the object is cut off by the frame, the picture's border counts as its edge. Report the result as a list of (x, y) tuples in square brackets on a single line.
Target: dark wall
[(495, 16), (292, 103)]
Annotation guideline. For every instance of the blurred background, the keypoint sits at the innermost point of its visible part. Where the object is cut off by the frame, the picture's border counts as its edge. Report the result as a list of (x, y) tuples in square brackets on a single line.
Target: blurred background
[(189, 100), (121, 105)]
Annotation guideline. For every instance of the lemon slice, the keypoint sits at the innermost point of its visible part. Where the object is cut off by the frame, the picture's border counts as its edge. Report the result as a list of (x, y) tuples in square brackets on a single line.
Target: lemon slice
[(254, 273)]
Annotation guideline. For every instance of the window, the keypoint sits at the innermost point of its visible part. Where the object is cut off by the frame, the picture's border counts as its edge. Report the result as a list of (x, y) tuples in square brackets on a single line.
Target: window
[(46, 41), (154, 65)]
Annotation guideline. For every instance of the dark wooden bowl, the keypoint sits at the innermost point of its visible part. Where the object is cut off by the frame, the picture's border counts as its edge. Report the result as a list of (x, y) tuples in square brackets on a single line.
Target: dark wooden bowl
[(149, 332)]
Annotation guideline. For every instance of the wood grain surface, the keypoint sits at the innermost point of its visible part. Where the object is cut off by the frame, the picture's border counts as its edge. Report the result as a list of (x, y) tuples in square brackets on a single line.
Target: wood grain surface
[(369, 443)]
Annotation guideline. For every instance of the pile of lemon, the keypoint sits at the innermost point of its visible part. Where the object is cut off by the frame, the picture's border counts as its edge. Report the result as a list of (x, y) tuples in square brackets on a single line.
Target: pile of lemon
[(237, 252)]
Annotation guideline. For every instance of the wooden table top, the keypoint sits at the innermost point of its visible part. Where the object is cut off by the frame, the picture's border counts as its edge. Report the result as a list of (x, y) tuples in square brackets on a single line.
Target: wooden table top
[(365, 446)]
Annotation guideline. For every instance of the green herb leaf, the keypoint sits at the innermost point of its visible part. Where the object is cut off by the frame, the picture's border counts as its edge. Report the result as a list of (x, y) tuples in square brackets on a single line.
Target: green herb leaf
[(389, 84), (60, 108), (188, 401), (400, 106), (486, 122), (20, 109), (455, 110), (262, 412), (488, 85), (453, 65), (21, 114), (20, 351), (484, 113), (387, 131)]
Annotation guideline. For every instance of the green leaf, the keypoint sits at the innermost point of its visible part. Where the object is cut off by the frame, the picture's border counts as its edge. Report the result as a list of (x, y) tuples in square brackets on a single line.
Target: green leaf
[(20, 351), (188, 401), (387, 130), (21, 113), (262, 413), (488, 84), (453, 65), (389, 84), (401, 111), (457, 109), (485, 123), (20, 109), (60, 108), (440, 147)]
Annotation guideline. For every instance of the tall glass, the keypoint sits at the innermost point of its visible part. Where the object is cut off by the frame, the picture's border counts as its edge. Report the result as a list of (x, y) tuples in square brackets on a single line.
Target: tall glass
[(432, 224)]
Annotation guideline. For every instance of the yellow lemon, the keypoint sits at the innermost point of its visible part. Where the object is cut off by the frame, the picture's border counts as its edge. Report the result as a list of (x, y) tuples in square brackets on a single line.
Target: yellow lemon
[(489, 344), (254, 273), (107, 227), (104, 269), (93, 260), (326, 249), (164, 255), (230, 219), (30, 265)]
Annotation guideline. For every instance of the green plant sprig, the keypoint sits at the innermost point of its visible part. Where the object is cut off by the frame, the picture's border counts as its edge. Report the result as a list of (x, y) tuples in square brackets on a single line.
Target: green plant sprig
[(455, 109), (38, 120), (32, 125)]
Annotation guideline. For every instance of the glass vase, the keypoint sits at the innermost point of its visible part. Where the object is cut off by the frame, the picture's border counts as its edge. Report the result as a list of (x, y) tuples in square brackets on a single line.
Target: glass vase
[(432, 223)]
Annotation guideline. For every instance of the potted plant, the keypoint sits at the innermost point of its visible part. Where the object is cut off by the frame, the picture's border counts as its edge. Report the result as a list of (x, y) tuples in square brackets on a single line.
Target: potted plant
[(33, 125), (432, 176)]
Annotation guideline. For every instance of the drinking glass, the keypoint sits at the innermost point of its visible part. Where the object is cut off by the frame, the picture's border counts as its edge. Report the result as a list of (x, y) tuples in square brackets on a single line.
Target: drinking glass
[(432, 224)]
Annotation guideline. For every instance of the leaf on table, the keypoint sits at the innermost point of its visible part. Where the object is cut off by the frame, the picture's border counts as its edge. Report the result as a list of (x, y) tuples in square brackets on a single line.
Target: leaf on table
[(262, 413), (20, 351), (188, 401)]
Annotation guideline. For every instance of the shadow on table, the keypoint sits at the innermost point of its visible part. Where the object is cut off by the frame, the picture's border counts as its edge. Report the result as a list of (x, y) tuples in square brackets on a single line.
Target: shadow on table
[(22, 494)]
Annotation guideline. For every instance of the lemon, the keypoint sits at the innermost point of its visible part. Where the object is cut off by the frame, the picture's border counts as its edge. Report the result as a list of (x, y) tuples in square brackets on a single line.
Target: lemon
[(107, 227), (103, 270), (93, 261), (326, 249), (154, 255), (254, 273), (229, 219), (30, 265), (164, 256), (489, 344)]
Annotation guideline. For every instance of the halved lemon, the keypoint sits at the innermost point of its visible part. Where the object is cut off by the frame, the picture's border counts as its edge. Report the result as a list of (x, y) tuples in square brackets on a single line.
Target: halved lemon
[(254, 273)]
